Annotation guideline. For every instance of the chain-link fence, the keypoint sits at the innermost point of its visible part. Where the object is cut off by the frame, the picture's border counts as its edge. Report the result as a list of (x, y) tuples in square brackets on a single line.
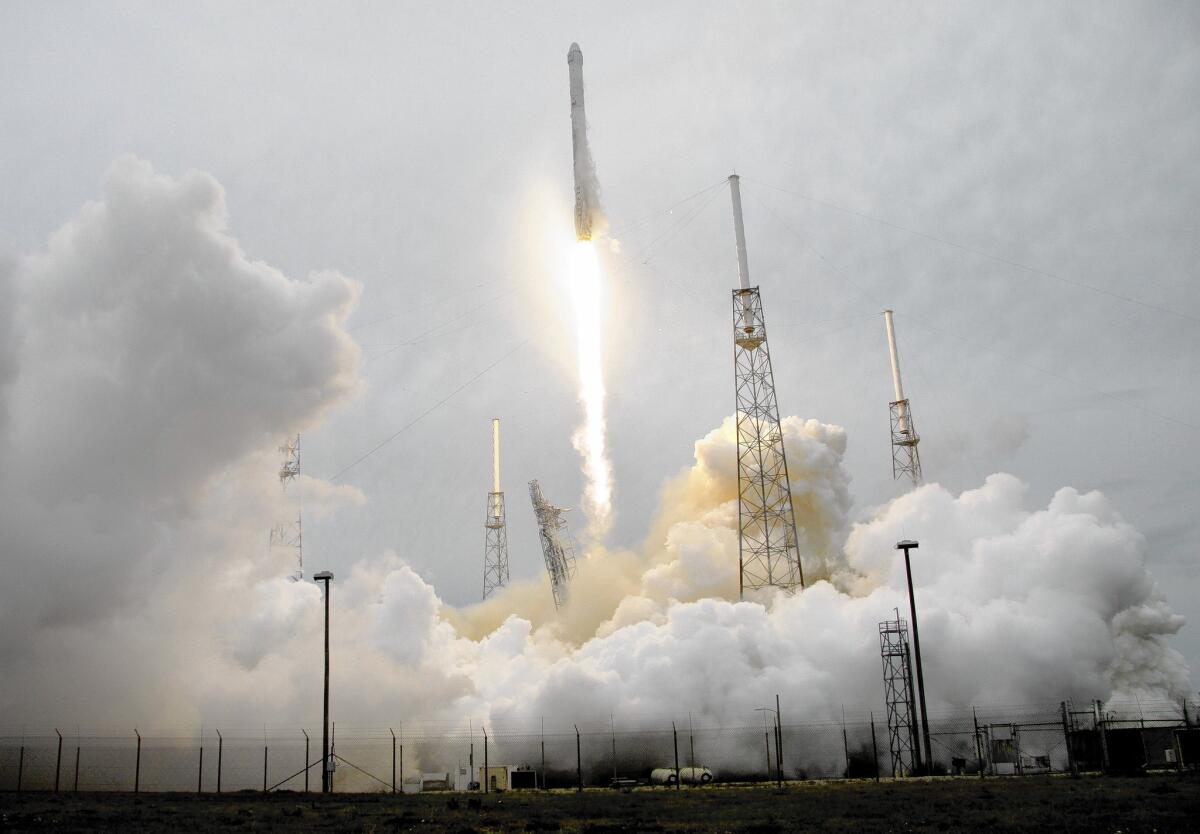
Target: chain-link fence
[(536, 753)]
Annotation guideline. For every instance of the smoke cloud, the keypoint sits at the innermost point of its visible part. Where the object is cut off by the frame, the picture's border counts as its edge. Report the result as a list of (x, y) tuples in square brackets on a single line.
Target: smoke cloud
[(148, 372)]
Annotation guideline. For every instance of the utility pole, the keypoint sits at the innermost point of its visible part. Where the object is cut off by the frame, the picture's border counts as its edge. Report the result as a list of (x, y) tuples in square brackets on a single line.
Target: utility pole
[(578, 760), (691, 740), (613, 726)]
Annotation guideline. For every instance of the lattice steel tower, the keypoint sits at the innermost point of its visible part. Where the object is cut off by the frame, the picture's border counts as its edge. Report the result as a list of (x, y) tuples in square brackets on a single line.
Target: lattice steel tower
[(558, 548), (768, 555), (288, 535), (898, 694), (495, 537), (906, 460)]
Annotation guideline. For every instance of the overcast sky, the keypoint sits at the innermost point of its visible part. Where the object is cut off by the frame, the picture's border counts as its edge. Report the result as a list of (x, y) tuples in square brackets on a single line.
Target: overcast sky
[(1047, 312)]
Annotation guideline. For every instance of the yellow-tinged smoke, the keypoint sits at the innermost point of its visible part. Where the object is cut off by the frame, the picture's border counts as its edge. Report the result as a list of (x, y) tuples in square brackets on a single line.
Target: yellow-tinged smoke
[(589, 438)]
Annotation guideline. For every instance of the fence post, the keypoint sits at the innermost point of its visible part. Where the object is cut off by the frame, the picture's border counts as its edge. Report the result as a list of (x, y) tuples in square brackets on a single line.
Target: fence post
[(675, 738), (77, 766), (874, 746), (220, 751), (307, 762), (393, 732), (1067, 737), (20, 767), (137, 764), (58, 761), (264, 768), (578, 761), (200, 769), (978, 741)]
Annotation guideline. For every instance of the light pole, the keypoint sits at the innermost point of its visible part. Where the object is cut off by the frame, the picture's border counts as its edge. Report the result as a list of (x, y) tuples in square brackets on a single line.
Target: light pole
[(326, 577), (774, 712), (906, 546)]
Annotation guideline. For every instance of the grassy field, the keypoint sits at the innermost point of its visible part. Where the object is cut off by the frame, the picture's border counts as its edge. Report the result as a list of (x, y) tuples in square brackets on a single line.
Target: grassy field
[(1034, 804)]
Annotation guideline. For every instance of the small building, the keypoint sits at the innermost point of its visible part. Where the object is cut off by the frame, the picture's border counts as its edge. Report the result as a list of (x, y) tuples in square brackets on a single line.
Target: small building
[(507, 778)]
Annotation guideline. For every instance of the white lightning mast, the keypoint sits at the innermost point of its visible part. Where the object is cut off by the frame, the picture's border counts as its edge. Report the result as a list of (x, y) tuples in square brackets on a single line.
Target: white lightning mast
[(768, 553), (495, 540), (906, 460)]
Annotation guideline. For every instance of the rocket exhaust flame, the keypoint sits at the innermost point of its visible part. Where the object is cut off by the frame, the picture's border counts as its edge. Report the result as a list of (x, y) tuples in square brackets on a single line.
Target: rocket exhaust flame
[(589, 438)]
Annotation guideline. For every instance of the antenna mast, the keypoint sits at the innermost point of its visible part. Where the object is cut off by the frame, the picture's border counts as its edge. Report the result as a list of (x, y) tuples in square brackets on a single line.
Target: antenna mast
[(495, 540)]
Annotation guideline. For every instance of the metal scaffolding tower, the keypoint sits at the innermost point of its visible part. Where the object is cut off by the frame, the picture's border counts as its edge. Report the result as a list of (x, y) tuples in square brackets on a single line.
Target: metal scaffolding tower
[(898, 694), (906, 460), (495, 539), (288, 535), (557, 546), (768, 554)]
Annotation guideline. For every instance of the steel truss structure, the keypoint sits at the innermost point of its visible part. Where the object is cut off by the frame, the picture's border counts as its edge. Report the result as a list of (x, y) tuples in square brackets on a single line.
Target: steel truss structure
[(495, 545), (906, 460), (898, 694), (557, 546), (768, 554), (289, 535)]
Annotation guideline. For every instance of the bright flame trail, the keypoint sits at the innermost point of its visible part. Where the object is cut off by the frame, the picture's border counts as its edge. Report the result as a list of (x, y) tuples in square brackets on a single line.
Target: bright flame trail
[(589, 439)]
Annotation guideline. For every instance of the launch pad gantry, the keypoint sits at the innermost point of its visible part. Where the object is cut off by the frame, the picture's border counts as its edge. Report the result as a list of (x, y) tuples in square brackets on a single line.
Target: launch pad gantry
[(557, 545)]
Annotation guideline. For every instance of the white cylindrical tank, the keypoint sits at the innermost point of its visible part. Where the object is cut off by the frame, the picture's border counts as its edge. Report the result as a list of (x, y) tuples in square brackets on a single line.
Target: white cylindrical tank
[(688, 775)]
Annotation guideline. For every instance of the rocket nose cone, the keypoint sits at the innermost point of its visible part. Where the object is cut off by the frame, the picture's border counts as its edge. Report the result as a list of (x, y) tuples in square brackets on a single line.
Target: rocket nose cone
[(574, 53)]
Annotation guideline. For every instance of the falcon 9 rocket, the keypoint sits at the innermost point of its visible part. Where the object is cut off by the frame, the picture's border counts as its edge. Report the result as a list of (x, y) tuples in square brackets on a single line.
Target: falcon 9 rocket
[(587, 205)]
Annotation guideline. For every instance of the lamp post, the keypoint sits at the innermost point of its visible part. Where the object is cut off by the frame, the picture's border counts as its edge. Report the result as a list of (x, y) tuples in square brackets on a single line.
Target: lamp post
[(774, 713), (326, 577), (906, 546)]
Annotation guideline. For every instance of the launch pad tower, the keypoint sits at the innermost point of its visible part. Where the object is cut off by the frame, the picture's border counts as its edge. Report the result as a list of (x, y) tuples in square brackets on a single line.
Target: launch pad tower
[(768, 554), (495, 539), (557, 546)]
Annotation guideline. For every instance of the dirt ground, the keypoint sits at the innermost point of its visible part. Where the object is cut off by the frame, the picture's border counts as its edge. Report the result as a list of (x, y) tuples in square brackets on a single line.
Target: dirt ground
[(1161, 804)]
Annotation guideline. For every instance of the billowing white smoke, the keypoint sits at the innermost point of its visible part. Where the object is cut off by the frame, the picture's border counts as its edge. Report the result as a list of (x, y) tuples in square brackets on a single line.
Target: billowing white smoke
[(155, 368)]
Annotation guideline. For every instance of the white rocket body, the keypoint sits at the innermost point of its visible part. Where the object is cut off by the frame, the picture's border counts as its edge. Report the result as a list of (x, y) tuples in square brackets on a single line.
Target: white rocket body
[(584, 171)]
